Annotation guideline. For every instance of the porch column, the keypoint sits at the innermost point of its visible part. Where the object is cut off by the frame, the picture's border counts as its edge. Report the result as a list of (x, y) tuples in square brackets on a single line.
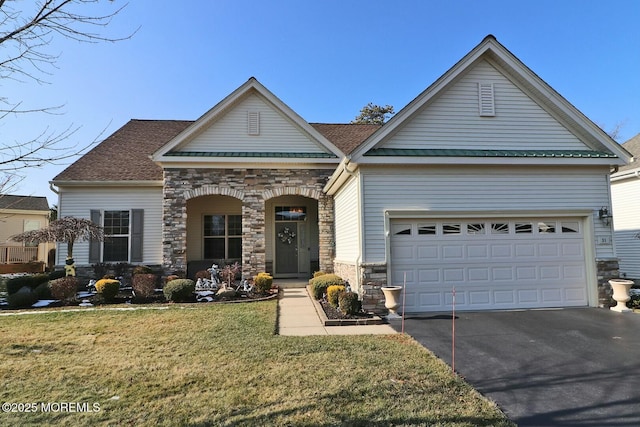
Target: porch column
[(253, 235), (326, 232), (174, 230)]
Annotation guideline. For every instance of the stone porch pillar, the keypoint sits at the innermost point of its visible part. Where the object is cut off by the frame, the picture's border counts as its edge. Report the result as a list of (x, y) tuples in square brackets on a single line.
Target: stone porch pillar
[(326, 231), (253, 235), (174, 230)]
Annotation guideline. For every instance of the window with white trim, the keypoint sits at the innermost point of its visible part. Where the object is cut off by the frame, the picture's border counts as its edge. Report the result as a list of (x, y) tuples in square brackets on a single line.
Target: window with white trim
[(116, 245), (222, 236)]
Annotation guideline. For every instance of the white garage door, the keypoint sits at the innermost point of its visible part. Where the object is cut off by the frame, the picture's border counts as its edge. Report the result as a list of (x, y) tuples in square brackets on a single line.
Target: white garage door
[(491, 263)]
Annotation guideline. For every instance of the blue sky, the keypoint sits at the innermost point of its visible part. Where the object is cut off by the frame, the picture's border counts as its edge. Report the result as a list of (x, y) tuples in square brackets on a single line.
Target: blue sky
[(325, 59)]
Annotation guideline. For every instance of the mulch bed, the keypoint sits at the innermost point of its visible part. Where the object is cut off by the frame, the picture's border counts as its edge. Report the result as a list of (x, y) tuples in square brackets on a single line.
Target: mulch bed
[(333, 313)]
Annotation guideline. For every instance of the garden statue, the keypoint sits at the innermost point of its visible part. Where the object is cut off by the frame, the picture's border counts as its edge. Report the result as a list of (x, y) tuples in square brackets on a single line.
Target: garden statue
[(70, 267)]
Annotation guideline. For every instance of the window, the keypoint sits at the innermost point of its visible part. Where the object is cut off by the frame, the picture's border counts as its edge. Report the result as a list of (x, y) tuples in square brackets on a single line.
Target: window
[(499, 228), (570, 227), (546, 227), (291, 213), (116, 245), (31, 225), (429, 229), (401, 229), (475, 228), (451, 229), (222, 236), (524, 227)]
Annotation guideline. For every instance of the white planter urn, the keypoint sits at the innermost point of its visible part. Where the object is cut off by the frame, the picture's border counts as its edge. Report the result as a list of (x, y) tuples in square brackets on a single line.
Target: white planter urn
[(621, 294), (392, 300)]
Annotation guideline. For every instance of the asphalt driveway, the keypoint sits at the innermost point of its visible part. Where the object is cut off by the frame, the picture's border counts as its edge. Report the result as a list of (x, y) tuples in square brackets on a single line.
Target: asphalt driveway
[(566, 367)]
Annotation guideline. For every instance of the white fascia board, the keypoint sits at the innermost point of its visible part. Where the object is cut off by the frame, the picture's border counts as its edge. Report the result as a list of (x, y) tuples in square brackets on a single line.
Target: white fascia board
[(549, 161), (627, 174), (462, 214)]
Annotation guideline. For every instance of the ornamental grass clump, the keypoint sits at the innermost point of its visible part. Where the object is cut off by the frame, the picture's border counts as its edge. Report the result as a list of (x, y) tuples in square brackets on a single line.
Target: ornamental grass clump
[(262, 283), (320, 284), (108, 288), (333, 292), (179, 290)]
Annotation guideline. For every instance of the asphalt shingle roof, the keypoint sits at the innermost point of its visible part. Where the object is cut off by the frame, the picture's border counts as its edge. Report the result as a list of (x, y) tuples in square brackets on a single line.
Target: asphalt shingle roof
[(632, 146), (124, 156), (26, 203)]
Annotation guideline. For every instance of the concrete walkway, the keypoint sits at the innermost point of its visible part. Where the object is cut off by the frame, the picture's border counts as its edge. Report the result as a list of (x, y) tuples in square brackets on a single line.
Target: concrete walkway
[(298, 317)]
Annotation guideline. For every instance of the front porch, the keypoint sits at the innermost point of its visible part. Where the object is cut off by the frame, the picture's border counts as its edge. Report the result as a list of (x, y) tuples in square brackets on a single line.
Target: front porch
[(275, 221)]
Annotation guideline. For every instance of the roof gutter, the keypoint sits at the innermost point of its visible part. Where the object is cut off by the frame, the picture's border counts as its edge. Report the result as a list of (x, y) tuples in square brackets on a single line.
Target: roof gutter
[(106, 183), (344, 170)]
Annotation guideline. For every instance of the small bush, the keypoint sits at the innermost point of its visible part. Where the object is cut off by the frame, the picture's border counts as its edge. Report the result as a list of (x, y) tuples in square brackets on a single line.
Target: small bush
[(23, 298), (58, 274), (320, 284), (263, 283), (202, 274), (349, 303), (333, 292), (43, 291), (64, 288), (318, 274), (178, 290), (108, 288), (39, 279), (142, 269), (16, 283), (100, 269), (144, 285)]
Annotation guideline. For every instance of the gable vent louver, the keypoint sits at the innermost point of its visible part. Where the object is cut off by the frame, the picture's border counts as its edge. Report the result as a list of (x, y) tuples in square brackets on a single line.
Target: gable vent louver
[(486, 100), (253, 122)]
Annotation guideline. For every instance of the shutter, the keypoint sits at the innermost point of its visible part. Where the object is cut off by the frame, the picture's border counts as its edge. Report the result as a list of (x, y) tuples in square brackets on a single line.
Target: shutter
[(486, 99), (253, 122), (137, 217), (94, 245)]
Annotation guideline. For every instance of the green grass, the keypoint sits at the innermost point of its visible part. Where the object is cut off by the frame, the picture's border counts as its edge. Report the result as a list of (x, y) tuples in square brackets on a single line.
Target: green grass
[(222, 365)]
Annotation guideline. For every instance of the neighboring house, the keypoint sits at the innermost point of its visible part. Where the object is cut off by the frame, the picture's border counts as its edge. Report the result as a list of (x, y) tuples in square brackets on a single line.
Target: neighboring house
[(625, 199), (488, 182), (17, 215)]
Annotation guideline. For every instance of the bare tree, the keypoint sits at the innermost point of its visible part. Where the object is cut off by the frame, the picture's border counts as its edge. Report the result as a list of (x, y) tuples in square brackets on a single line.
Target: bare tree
[(27, 28)]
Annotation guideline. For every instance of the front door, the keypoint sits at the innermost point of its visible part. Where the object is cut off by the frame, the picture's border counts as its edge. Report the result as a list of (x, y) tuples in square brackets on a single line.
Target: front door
[(287, 249)]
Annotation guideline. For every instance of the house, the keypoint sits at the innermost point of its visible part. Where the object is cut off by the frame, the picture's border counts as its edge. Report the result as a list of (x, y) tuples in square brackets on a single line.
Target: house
[(625, 201), (19, 214), (488, 182)]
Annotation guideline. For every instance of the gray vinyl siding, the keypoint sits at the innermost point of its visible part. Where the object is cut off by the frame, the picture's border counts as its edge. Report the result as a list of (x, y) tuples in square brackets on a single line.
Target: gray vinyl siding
[(626, 221), (347, 226), (277, 133), (79, 203), (452, 120), (455, 189)]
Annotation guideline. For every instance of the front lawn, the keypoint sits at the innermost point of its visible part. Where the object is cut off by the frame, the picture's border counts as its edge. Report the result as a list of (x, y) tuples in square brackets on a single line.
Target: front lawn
[(206, 365)]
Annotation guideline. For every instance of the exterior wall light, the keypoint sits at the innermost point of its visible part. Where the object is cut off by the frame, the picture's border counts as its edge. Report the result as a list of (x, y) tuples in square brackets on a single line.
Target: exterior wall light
[(604, 215)]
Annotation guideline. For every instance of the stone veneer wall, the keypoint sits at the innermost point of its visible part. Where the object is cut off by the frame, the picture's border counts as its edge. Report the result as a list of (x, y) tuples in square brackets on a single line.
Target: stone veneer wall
[(348, 272), (607, 269), (253, 187)]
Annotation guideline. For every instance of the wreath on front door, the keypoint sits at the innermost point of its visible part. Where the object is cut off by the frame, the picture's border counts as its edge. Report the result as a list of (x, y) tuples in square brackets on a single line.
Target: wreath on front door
[(286, 235)]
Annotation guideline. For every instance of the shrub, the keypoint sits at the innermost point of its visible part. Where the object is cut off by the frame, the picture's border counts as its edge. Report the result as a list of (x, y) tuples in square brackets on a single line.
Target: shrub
[(230, 273), (43, 291), (58, 274), (202, 274), (108, 288), (349, 303), (16, 283), (23, 298), (144, 285), (64, 288), (263, 282), (179, 290), (320, 284), (39, 279), (318, 274), (333, 292), (100, 269), (142, 269)]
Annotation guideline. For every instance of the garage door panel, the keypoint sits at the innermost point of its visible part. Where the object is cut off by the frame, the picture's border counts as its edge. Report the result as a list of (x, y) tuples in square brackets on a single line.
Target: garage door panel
[(491, 263)]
